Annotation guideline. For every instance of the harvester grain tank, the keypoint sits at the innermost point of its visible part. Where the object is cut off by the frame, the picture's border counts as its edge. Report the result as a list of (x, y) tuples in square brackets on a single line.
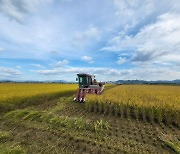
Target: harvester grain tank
[(87, 85)]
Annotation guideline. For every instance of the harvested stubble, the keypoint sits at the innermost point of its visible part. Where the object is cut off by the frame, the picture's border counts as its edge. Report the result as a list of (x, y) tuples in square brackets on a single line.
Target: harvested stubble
[(158, 103), (57, 121)]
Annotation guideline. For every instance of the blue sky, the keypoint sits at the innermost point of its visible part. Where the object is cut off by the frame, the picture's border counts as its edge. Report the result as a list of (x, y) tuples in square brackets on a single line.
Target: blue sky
[(113, 39)]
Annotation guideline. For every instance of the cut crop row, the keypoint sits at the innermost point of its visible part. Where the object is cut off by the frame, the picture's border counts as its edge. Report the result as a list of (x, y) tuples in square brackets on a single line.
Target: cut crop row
[(148, 103), (150, 114)]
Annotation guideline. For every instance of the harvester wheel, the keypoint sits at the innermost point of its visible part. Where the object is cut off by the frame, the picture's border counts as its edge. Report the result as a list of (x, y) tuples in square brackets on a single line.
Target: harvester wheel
[(82, 100)]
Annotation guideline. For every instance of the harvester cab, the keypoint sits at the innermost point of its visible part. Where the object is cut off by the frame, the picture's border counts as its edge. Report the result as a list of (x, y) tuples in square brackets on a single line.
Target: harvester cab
[(84, 80), (87, 85)]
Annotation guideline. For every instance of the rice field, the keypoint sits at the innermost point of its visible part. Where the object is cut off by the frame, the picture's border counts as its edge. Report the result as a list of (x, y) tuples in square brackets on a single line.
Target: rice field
[(147, 102), (28, 93), (8, 91), (42, 118)]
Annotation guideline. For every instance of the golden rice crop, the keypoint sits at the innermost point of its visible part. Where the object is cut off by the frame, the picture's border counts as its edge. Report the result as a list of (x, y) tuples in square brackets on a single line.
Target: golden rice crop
[(148, 102), (22, 95), (11, 90)]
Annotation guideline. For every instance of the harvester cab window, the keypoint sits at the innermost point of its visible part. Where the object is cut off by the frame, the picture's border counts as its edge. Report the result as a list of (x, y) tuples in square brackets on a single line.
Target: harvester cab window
[(80, 80), (89, 80), (83, 81)]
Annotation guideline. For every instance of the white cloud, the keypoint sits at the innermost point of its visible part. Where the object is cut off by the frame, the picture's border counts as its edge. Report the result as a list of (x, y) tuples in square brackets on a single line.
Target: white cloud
[(9, 73), (139, 12), (61, 63), (158, 42), (17, 9), (75, 70), (19, 67), (121, 60), (147, 72), (38, 65), (87, 59), (1, 49), (54, 52), (142, 31), (92, 32), (48, 72), (82, 38), (120, 43), (130, 12), (152, 73)]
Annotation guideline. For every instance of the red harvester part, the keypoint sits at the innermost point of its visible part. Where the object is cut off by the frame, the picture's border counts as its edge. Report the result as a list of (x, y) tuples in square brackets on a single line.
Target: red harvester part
[(87, 85)]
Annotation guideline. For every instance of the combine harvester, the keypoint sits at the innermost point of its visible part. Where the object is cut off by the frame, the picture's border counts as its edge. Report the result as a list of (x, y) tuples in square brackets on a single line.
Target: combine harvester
[(87, 85)]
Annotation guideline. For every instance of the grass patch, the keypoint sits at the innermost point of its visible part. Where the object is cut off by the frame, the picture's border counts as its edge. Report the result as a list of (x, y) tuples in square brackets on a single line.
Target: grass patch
[(4, 135), (171, 141), (54, 120), (100, 126), (173, 146), (57, 121), (12, 149), (61, 104)]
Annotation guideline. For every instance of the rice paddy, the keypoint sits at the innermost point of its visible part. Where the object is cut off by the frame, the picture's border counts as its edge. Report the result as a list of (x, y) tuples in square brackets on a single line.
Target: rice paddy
[(42, 118), (25, 94), (148, 102), (13, 91)]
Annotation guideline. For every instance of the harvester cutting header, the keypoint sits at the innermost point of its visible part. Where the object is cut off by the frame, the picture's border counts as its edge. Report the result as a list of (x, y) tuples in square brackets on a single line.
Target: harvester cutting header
[(87, 85)]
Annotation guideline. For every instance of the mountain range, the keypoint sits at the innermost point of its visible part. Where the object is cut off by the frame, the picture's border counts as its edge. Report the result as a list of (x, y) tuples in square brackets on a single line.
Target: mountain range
[(177, 81)]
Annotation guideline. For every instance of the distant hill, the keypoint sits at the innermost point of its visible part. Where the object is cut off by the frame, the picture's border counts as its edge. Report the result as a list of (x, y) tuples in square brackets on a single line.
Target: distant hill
[(177, 81), (31, 81)]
